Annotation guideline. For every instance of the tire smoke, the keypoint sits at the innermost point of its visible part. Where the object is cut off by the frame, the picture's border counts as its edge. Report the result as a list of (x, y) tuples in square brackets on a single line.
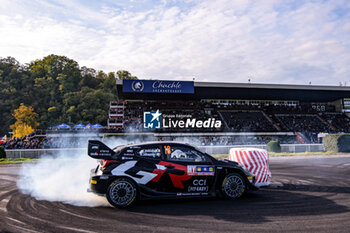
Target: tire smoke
[(64, 177)]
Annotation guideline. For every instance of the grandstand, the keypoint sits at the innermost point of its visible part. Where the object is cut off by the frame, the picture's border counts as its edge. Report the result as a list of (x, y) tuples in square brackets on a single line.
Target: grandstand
[(303, 110)]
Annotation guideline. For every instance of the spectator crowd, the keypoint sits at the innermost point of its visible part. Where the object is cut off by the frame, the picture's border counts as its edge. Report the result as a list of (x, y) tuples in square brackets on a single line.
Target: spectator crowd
[(304, 120)]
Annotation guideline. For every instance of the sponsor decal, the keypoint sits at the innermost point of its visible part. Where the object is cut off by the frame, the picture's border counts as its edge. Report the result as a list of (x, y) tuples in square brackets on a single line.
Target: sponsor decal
[(199, 182), (199, 185), (192, 194), (155, 120), (198, 189), (154, 152), (101, 153), (201, 170)]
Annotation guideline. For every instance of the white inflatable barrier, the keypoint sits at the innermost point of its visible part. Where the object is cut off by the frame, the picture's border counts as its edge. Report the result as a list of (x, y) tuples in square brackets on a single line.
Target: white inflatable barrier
[(256, 161)]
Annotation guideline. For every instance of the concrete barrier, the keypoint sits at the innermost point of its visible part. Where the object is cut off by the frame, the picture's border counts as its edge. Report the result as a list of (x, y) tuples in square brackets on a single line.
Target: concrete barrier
[(36, 153)]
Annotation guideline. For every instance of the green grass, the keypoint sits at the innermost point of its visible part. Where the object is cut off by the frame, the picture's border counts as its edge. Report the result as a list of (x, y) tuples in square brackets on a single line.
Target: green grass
[(17, 160), (220, 156)]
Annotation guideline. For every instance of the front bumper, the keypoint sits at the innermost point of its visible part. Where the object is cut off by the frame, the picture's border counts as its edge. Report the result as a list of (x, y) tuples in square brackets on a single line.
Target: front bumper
[(99, 194)]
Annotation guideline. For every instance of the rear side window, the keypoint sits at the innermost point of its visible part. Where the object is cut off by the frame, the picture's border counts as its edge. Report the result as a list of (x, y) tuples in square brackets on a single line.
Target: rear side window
[(186, 154)]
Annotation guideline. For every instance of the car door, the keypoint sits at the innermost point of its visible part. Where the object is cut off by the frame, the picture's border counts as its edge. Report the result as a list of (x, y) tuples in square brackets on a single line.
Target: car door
[(190, 171), (141, 162)]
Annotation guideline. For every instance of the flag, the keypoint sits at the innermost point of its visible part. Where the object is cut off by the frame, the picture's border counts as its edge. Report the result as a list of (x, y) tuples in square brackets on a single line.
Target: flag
[(299, 138), (3, 139)]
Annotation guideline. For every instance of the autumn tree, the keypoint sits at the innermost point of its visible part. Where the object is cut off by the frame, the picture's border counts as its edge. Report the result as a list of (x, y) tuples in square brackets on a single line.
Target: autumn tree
[(15, 88), (25, 121), (58, 89)]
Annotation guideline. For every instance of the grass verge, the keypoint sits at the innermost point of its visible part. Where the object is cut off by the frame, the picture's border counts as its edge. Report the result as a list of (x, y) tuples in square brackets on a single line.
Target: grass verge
[(220, 156), (17, 160)]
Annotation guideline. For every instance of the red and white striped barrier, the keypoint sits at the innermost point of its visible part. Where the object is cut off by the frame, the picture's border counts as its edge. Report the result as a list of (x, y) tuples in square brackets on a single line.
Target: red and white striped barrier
[(256, 161)]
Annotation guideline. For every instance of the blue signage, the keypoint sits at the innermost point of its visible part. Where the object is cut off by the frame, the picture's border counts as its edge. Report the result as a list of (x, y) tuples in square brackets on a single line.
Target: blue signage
[(158, 86)]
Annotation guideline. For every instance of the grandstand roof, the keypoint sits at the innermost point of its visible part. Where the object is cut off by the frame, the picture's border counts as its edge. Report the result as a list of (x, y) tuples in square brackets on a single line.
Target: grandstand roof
[(271, 86), (248, 91)]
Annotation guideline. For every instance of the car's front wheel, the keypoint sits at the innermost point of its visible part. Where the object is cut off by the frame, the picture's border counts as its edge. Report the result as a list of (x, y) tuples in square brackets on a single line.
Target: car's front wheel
[(121, 193), (233, 186)]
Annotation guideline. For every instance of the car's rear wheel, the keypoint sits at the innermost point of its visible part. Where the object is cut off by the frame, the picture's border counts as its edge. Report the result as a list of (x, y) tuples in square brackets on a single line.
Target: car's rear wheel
[(233, 186), (122, 193)]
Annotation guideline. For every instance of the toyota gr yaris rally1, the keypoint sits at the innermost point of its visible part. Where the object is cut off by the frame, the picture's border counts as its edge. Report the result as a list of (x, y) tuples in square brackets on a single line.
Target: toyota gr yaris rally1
[(156, 170)]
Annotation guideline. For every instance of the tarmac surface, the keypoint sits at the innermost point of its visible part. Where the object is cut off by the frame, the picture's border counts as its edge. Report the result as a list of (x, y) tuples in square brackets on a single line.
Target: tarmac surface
[(308, 194)]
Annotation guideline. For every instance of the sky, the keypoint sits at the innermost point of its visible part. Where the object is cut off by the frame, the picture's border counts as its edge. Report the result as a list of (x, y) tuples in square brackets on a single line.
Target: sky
[(266, 41)]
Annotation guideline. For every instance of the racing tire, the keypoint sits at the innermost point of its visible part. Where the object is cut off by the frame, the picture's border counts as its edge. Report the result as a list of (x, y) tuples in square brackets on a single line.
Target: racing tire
[(233, 186), (122, 193)]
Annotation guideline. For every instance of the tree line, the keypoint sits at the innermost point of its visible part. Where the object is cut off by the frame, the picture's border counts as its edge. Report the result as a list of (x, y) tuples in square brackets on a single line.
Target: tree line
[(58, 89)]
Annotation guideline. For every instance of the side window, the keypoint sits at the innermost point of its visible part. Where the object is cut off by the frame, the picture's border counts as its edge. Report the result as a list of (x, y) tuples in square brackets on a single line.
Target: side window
[(179, 153), (150, 152)]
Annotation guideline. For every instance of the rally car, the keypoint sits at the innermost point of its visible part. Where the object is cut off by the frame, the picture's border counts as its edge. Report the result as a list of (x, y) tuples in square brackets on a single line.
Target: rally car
[(156, 170)]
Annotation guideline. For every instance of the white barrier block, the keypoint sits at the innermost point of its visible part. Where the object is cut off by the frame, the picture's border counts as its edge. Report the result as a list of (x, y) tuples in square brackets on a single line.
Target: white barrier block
[(256, 161)]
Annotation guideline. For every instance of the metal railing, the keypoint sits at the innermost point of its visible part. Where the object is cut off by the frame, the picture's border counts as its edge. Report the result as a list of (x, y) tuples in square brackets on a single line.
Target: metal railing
[(37, 153)]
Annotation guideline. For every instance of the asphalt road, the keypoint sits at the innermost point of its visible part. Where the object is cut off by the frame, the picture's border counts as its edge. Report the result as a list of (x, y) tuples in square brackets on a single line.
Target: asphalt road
[(309, 194)]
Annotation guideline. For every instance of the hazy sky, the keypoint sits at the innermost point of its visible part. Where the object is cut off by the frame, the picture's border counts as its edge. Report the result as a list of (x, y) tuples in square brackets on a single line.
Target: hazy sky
[(268, 41)]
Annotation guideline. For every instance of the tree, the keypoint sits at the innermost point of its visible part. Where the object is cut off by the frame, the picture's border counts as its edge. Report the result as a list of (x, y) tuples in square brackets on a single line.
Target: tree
[(58, 89), (54, 76), (15, 88), (25, 121), (123, 74)]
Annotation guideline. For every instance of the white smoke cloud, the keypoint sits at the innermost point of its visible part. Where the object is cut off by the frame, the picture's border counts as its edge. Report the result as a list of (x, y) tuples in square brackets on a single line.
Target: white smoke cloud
[(64, 177)]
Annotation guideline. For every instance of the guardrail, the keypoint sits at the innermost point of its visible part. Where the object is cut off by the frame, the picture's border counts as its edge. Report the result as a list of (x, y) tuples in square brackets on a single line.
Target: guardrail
[(292, 148), (36, 153)]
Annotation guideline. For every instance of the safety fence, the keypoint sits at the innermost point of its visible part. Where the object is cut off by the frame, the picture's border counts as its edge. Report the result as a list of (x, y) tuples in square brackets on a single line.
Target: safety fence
[(36, 153)]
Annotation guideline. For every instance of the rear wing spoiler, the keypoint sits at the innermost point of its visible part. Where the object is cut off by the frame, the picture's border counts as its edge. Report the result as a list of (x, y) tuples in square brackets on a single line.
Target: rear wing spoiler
[(98, 150)]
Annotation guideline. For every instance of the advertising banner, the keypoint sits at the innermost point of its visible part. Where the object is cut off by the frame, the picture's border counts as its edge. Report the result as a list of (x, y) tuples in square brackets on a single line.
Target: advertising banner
[(158, 86)]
